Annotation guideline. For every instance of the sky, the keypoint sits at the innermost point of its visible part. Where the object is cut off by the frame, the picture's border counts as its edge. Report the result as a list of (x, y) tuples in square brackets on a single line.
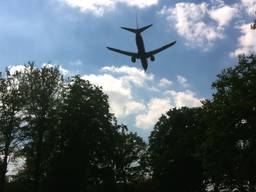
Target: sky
[(74, 34)]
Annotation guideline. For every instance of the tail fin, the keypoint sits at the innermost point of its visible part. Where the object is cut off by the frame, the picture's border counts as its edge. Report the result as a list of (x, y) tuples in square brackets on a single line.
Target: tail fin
[(140, 30)]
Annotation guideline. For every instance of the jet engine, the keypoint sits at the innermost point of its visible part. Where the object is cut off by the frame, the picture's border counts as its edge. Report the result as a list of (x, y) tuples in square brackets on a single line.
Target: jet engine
[(152, 58), (133, 59)]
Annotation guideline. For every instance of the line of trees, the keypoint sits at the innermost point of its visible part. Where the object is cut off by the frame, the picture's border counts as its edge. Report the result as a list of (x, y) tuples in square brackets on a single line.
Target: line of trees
[(62, 128), (64, 131), (213, 147)]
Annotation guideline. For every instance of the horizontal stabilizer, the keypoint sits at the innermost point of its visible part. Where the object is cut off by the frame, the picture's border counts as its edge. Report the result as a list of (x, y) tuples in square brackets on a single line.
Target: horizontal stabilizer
[(144, 28), (140, 30), (129, 29)]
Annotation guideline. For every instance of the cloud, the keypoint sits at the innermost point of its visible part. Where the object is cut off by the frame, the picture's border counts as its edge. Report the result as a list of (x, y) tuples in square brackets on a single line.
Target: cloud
[(182, 81), (155, 108), (139, 3), (118, 83), (130, 74), (131, 96), (62, 70), (158, 106), (200, 24), (246, 42), (250, 6), (99, 7), (223, 15), (186, 98), (16, 68), (110, 84), (165, 83)]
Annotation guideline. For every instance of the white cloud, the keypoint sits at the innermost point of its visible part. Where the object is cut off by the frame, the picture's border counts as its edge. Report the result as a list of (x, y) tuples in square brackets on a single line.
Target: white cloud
[(246, 42), (158, 106), (117, 83), (165, 83), (99, 7), (185, 98), (130, 74), (119, 92), (62, 70), (223, 15), (110, 84), (122, 85), (16, 68), (182, 81), (139, 3), (133, 107), (200, 24), (250, 6), (155, 108)]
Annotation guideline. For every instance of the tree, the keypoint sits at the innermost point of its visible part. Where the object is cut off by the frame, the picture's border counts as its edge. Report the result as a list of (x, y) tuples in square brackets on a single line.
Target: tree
[(69, 139), (40, 90), (174, 145), (130, 158), (86, 140), (10, 103), (230, 140)]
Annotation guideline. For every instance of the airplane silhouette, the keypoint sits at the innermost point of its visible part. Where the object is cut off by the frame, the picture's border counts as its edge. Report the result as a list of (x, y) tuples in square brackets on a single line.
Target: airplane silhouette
[(141, 54)]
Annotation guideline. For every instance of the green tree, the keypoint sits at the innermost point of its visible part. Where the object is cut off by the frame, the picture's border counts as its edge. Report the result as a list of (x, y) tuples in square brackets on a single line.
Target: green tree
[(10, 100), (40, 90), (174, 146), (130, 158), (86, 143), (230, 144), (70, 140)]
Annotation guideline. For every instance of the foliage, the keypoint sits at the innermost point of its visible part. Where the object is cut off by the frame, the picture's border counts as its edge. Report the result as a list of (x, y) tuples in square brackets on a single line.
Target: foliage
[(229, 147), (174, 146), (40, 94), (85, 141), (70, 141), (10, 103), (130, 158), (212, 146)]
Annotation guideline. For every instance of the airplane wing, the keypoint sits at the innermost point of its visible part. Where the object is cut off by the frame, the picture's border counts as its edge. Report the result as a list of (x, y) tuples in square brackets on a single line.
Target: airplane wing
[(130, 54), (154, 52)]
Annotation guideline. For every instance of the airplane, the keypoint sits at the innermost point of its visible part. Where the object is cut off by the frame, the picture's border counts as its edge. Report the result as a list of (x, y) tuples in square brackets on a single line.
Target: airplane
[(141, 54)]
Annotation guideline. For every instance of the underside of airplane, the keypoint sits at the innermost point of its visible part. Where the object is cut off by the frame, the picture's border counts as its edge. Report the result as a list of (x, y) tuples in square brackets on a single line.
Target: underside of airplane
[(141, 54)]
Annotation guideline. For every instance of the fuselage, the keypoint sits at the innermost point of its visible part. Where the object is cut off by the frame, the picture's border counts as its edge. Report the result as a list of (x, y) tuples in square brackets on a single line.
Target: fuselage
[(141, 51)]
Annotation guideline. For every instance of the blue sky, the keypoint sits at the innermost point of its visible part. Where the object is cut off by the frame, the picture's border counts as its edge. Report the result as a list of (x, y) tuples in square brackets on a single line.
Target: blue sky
[(74, 34)]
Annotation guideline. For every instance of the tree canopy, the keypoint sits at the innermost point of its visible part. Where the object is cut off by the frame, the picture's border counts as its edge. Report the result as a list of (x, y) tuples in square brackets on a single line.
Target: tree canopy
[(70, 141), (211, 147)]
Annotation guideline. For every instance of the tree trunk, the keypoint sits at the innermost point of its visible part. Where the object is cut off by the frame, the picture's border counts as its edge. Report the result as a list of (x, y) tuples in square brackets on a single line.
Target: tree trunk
[(4, 168), (124, 181), (37, 173), (216, 187)]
